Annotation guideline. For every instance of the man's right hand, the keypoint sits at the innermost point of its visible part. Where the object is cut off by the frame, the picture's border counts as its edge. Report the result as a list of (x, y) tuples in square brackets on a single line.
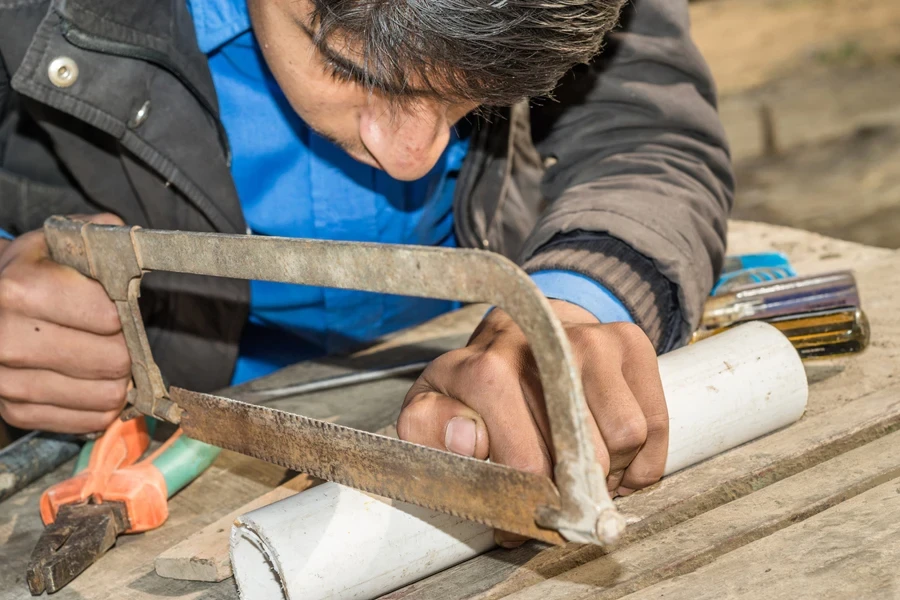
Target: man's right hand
[(64, 365)]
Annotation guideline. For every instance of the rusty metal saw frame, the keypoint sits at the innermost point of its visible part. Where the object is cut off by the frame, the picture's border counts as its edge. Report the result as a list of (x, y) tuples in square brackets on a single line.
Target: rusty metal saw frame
[(577, 508)]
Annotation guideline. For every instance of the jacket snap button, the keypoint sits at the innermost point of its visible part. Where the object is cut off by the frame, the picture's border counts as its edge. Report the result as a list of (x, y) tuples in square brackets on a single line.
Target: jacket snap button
[(549, 161), (140, 116), (63, 71)]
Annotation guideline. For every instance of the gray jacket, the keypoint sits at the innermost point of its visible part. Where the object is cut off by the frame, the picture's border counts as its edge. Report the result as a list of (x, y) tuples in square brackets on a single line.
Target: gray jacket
[(625, 177)]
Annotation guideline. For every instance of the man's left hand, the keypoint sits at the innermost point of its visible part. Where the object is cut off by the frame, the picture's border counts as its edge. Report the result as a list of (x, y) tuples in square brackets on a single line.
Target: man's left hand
[(485, 400)]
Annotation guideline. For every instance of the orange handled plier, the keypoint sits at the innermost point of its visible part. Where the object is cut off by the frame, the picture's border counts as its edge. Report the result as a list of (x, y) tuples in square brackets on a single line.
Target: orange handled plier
[(112, 492)]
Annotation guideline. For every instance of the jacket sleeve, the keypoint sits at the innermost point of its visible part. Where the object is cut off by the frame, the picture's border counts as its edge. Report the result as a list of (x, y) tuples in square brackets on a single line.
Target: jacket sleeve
[(639, 177)]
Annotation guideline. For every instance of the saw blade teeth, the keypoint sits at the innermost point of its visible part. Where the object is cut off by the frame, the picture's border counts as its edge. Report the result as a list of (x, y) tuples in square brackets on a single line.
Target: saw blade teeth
[(479, 491), (348, 483)]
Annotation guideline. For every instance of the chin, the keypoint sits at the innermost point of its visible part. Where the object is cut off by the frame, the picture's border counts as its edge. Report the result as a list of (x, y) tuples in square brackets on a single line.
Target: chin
[(366, 159), (409, 172)]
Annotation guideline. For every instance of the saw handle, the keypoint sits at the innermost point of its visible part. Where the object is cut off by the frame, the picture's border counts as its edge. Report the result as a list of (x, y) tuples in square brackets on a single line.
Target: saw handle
[(108, 254)]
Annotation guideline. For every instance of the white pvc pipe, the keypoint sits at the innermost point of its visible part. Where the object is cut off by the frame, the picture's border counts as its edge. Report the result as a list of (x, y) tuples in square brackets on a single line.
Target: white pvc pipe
[(338, 543), (729, 389)]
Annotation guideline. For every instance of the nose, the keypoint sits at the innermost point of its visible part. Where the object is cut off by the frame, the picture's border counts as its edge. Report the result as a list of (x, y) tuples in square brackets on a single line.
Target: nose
[(406, 141)]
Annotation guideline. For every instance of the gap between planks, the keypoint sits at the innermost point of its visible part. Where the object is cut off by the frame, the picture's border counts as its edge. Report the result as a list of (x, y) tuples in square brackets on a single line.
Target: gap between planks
[(849, 551)]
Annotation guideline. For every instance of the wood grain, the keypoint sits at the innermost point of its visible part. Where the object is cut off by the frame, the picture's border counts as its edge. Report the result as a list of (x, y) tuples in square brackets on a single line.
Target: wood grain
[(849, 551), (690, 545)]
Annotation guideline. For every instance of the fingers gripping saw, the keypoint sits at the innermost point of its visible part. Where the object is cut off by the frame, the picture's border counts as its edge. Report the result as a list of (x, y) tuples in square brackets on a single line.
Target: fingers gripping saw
[(577, 507)]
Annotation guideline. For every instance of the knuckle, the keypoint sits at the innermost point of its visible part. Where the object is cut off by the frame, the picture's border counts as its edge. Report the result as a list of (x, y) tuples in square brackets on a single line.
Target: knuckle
[(632, 337), (658, 425), (490, 367), (103, 421), (120, 364), (108, 318), (405, 421), (628, 436), (530, 460), (111, 395), (13, 414), (12, 293), (10, 351), (627, 331), (413, 415), (105, 219), (11, 388), (642, 479)]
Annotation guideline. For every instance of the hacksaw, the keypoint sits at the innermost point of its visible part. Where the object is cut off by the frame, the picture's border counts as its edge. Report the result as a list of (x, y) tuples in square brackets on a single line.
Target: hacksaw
[(574, 506)]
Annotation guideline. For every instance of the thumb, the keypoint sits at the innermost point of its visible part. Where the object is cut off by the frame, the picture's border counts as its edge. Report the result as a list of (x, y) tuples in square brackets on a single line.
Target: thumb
[(433, 419), (32, 247)]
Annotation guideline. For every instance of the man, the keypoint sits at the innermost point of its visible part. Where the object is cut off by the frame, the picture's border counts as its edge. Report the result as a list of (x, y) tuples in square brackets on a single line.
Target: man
[(366, 120)]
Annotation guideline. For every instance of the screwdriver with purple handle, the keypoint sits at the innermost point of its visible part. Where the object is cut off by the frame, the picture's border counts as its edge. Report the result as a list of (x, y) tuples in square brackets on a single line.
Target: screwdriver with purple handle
[(821, 314)]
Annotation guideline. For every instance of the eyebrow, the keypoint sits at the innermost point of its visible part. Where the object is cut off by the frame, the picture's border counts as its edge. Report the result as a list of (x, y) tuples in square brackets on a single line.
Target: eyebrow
[(359, 73)]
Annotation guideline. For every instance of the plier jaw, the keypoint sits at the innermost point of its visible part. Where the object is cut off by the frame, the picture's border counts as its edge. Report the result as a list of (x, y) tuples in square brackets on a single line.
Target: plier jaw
[(80, 535)]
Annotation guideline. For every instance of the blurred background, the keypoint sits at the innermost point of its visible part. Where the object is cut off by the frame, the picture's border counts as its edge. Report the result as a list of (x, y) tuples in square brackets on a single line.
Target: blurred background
[(810, 96)]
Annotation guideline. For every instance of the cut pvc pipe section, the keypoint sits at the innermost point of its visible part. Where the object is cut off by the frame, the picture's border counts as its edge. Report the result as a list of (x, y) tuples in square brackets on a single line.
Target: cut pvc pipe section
[(339, 543)]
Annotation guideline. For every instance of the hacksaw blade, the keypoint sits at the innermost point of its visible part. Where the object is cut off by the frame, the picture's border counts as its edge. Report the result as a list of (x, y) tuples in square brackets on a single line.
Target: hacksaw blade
[(480, 491)]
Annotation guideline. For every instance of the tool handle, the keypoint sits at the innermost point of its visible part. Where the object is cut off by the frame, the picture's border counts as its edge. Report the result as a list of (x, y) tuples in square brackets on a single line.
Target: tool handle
[(84, 457), (825, 291), (821, 334), (176, 463), (181, 460), (121, 445), (746, 269), (33, 456)]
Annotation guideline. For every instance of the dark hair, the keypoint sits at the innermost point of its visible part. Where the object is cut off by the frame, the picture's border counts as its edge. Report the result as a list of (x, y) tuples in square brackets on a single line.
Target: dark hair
[(493, 52)]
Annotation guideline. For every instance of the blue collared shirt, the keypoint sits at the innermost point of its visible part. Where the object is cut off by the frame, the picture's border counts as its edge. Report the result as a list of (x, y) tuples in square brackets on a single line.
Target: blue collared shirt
[(292, 182)]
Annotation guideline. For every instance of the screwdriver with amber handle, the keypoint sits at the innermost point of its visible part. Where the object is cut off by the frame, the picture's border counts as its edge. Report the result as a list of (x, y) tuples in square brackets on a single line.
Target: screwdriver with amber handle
[(819, 334)]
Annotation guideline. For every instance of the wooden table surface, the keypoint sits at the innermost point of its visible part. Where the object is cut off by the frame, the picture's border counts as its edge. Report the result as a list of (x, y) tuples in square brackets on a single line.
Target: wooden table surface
[(810, 511)]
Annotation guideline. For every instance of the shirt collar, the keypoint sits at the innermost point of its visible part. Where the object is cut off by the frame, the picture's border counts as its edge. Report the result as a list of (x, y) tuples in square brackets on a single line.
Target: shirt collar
[(216, 22)]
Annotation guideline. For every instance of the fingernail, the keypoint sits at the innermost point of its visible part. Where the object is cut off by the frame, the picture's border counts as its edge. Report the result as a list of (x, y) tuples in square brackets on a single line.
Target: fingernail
[(460, 436)]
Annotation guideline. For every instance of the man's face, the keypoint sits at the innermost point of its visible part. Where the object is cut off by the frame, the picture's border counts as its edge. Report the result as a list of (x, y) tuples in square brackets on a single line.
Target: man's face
[(405, 139)]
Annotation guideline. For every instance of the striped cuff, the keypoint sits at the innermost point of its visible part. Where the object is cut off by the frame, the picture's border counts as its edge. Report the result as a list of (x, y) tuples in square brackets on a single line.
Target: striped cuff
[(649, 298)]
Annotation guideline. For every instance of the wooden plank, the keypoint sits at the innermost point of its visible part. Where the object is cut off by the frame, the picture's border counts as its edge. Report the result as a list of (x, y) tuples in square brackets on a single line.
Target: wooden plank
[(678, 498), (205, 555), (849, 551), (701, 540)]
